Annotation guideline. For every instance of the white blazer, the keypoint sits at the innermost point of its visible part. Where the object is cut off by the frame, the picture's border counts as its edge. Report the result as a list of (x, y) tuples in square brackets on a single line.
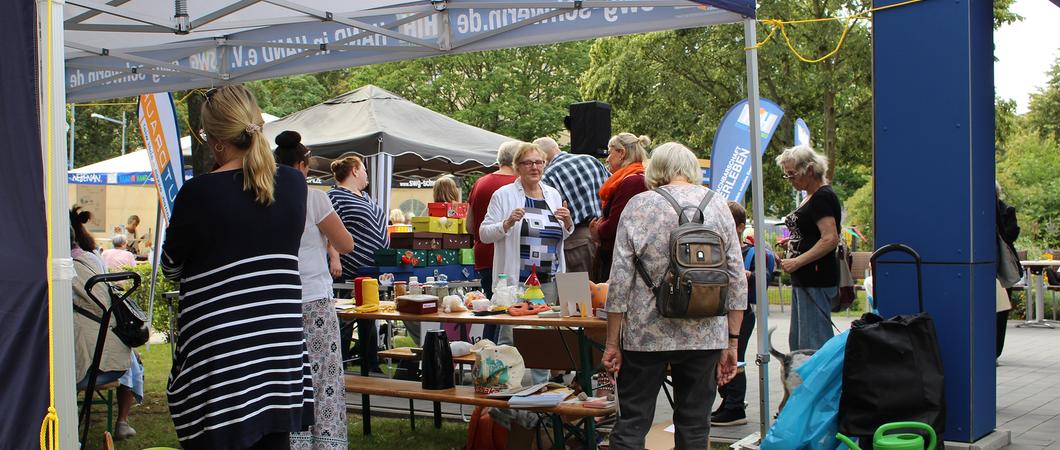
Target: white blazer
[(506, 245)]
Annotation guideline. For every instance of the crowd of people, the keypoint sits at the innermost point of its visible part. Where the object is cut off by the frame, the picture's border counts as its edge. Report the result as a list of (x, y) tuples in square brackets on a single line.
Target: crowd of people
[(258, 362)]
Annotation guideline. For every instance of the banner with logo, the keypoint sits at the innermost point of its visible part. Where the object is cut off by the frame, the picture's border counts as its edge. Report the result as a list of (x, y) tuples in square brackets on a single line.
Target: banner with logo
[(802, 132), (730, 159), (158, 124)]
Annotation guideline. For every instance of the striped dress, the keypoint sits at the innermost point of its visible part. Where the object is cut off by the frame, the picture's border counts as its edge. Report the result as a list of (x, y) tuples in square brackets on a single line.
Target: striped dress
[(366, 222), (240, 371)]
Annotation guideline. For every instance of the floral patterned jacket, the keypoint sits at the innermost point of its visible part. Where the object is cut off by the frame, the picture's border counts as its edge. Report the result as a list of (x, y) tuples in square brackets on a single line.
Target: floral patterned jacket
[(644, 229)]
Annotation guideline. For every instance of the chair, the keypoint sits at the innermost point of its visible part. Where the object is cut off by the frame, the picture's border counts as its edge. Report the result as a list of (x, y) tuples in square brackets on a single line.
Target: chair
[(108, 400)]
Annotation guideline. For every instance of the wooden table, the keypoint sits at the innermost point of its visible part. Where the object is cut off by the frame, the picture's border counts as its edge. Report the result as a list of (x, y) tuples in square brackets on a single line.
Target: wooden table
[(1037, 277), (579, 324)]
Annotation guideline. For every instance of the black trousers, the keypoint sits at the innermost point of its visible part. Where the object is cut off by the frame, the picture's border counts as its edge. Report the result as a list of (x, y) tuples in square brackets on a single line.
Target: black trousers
[(734, 393), (641, 376)]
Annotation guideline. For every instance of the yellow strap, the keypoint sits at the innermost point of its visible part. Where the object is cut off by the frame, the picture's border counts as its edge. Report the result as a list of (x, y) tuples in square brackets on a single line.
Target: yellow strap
[(777, 24), (49, 430)]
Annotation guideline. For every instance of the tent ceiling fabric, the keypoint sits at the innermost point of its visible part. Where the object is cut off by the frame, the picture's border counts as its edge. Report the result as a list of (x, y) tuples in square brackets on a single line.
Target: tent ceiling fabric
[(370, 120), (130, 47)]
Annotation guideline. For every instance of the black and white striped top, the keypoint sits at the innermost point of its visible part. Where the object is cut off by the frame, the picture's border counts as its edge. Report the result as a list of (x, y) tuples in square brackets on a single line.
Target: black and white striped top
[(366, 222), (241, 369)]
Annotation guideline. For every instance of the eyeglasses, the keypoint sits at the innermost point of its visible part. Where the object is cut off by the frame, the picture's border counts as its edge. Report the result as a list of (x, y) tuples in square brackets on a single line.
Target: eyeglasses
[(209, 94), (789, 176), (533, 163)]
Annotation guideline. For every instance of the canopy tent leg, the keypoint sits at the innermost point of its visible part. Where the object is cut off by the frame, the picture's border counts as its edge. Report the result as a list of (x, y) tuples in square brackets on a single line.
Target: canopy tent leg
[(758, 214), (52, 114)]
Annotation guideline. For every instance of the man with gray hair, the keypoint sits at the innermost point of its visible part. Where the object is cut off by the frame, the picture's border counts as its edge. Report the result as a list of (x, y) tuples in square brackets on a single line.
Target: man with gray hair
[(578, 179), (118, 257), (479, 200)]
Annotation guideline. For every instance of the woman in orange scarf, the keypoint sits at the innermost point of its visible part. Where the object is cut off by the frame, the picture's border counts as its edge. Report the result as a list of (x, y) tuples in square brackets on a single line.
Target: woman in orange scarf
[(625, 158)]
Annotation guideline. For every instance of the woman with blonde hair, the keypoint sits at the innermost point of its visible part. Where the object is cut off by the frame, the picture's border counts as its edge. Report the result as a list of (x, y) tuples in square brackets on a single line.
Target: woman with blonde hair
[(446, 190), (625, 160), (241, 376)]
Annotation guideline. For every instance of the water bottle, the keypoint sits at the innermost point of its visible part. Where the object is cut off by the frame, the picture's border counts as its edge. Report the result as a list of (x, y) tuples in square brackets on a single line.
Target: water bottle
[(502, 281)]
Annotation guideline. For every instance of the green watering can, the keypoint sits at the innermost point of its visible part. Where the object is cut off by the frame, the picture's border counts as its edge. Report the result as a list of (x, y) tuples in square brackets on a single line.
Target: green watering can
[(897, 441)]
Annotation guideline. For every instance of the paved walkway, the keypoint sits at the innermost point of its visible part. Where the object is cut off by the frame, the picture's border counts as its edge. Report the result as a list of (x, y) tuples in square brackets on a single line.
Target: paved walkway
[(1028, 395)]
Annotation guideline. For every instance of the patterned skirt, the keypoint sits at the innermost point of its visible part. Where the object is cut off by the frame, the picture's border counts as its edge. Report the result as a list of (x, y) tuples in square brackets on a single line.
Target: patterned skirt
[(322, 342)]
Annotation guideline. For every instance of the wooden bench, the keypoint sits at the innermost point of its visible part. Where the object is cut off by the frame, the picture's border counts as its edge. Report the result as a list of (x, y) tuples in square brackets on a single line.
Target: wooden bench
[(413, 354), (463, 395)]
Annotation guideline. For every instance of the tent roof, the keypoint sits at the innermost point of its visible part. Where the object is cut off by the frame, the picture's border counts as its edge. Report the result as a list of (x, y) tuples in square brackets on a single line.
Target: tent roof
[(131, 47), (370, 120), (135, 161)]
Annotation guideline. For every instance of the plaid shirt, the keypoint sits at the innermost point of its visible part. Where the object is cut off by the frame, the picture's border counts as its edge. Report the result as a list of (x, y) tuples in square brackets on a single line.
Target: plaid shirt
[(578, 179)]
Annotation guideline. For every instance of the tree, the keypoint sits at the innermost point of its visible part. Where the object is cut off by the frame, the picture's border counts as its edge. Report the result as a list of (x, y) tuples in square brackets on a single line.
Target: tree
[(522, 93), (283, 96), (676, 85), (1027, 173), (860, 212), (96, 139), (1044, 110)]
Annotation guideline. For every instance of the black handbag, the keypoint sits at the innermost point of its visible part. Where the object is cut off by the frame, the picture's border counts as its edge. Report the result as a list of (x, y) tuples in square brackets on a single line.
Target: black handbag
[(893, 369)]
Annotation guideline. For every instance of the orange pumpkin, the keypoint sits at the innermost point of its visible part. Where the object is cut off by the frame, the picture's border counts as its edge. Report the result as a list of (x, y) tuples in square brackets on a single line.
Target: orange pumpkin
[(599, 293)]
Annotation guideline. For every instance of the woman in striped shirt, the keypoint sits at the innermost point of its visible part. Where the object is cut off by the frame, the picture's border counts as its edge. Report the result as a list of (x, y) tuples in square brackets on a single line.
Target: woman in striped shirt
[(366, 222), (241, 377)]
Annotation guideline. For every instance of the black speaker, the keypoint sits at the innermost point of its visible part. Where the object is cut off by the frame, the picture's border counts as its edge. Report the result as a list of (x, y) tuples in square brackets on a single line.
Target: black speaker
[(590, 127)]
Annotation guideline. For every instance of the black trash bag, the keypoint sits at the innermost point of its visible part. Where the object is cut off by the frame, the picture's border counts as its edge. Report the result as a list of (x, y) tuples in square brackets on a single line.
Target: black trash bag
[(437, 361), (893, 369)]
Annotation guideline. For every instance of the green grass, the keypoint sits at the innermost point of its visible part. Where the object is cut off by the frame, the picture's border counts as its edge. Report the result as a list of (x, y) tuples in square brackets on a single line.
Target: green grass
[(155, 429)]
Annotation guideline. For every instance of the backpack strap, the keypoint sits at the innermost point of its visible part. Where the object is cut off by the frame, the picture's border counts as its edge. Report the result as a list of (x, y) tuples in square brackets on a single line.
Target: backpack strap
[(673, 202), (703, 206), (697, 216), (643, 273)]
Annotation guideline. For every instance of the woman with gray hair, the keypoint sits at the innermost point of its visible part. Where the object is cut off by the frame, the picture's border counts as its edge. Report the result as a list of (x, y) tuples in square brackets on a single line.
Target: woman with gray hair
[(641, 343), (810, 258)]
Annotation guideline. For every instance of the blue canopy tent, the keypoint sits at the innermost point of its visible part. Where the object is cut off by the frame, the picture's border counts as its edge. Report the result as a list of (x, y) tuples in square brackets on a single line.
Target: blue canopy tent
[(88, 49)]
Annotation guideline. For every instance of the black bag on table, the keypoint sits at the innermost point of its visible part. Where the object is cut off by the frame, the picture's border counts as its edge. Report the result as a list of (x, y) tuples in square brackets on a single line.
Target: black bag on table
[(893, 369)]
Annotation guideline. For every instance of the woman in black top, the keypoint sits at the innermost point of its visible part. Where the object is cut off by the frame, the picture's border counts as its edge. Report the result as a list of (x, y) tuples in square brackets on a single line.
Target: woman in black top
[(811, 259), (240, 377)]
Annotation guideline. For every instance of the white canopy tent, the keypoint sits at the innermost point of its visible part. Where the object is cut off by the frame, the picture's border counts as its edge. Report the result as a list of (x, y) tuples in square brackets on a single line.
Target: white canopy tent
[(131, 47)]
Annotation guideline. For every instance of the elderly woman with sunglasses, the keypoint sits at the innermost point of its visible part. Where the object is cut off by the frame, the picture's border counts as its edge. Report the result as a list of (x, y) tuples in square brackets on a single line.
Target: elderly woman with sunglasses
[(528, 221), (810, 258)]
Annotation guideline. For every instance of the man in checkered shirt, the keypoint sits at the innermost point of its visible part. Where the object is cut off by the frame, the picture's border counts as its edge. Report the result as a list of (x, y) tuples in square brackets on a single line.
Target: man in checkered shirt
[(578, 179)]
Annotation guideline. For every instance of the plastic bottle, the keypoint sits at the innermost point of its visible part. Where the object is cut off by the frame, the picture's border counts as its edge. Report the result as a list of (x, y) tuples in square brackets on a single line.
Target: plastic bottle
[(502, 281)]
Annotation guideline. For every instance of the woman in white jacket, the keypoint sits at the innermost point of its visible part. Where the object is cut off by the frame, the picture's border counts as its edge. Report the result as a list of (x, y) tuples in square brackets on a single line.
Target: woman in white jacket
[(527, 222)]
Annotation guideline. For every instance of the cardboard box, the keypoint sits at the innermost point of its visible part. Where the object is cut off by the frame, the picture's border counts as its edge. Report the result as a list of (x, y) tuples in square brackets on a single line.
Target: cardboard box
[(417, 304), (388, 257), (416, 241), (456, 241), (436, 224), (659, 438), (453, 210), (442, 257), (467, 256)]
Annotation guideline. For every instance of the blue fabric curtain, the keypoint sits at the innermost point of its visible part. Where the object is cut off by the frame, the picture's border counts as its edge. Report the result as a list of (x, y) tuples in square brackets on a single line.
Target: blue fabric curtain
[(23, 302), (745, 7)]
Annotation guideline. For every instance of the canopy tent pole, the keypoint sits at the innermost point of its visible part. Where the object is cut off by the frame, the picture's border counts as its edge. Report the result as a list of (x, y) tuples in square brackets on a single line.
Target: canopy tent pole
[(52, 103), (762, 359)]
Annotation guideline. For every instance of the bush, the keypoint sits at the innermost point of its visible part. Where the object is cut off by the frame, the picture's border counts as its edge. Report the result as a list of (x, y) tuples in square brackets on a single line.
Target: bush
[(160, 321)]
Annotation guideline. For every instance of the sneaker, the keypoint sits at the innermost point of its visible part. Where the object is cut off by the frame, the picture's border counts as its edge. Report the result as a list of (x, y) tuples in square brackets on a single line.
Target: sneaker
[(123, 431), (728, 418)]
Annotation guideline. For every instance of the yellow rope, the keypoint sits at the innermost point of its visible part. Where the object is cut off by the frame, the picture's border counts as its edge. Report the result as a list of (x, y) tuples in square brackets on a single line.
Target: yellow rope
[(775, 24), (49, 430)]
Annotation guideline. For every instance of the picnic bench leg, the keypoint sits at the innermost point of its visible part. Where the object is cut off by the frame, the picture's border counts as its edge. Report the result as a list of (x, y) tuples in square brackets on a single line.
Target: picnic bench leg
[(437, 414), (412, 414), (366, 402), (585, 379), (557, 427)]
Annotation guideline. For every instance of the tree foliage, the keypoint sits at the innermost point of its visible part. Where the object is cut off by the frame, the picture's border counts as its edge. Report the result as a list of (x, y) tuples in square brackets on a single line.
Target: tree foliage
[(1044, 111), (283, 96), (676, 85), (96, 139), (522, 93), (1027, 173)]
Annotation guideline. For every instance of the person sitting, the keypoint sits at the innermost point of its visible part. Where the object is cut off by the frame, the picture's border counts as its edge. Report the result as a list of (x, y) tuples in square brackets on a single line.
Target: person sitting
[(118, 257), (118, 362)]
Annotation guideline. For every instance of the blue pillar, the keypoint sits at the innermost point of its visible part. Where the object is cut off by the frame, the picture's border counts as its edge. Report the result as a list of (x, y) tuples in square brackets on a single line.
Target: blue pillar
[(933, 136)]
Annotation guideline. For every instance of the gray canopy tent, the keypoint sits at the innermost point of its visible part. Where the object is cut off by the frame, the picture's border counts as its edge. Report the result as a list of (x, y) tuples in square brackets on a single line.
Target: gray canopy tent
[(397, 138), (93, 50)]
